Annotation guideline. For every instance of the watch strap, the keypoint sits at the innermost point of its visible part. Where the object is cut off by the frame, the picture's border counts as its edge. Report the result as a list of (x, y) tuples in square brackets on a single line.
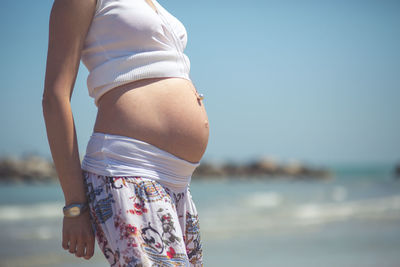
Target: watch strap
[(75, 209)]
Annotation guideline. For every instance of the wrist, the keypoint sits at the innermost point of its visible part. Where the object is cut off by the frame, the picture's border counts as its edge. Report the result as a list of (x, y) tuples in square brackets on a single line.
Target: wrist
[(75, 209), (75, 199)]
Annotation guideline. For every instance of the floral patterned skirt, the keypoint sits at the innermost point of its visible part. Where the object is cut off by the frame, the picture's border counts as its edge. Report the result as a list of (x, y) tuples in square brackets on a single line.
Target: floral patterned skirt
[(140, 222)]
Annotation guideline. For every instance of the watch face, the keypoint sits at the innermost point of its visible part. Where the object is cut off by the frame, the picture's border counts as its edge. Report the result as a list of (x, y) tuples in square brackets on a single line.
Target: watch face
[(74, 211)]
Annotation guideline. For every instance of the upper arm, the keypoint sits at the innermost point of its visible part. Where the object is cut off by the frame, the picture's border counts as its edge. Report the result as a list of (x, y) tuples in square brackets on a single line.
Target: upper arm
[(69, 23)]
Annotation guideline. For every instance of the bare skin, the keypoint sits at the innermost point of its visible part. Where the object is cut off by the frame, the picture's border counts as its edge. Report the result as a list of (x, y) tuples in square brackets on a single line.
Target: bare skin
[(164, 112)]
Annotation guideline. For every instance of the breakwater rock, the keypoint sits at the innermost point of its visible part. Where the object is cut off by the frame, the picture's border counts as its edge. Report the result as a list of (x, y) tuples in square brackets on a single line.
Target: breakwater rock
[(27, 169), (262, 168), (397, 171), (35, 168)]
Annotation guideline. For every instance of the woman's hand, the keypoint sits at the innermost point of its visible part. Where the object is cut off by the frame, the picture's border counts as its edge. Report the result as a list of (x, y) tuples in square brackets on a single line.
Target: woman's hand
[(78, 236)]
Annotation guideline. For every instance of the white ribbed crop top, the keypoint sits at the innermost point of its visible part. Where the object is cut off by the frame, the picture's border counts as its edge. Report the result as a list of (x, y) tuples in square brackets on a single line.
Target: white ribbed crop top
[(128, 40)]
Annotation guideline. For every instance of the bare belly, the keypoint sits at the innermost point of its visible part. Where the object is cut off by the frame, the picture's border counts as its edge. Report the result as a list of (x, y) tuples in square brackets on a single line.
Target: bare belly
[(164, 112)]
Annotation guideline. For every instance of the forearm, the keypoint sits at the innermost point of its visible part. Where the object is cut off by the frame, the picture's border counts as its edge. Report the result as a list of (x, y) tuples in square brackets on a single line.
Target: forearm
[(63, 144)]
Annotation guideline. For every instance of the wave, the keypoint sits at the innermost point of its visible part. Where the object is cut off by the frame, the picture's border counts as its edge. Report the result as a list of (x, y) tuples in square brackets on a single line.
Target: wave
[(264, 199), (44, 210), (270, 212), (313, 213)]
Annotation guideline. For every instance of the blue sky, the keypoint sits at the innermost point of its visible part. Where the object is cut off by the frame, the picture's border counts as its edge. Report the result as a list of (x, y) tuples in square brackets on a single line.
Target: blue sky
[(313, 80)]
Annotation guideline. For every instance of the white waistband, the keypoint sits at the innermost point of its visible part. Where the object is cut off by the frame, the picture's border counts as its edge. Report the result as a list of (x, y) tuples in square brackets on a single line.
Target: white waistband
[(115, 155)]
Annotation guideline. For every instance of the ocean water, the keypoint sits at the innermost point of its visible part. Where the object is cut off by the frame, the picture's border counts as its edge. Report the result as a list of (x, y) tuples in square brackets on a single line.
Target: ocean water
[(350, 220)]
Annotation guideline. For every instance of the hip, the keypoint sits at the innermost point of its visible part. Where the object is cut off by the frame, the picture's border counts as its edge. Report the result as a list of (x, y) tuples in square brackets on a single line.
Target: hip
[(164, 112)]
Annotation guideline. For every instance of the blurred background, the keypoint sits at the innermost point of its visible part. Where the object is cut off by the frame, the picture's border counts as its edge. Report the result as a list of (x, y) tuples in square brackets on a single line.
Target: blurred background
[(310, 82)]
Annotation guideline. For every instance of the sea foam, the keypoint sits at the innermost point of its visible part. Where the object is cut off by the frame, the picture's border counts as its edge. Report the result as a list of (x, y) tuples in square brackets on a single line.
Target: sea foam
[(31, 211)]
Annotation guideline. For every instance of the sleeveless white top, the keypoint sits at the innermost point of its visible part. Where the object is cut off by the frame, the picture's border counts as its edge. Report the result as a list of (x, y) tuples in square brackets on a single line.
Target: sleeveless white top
[(128, 40)]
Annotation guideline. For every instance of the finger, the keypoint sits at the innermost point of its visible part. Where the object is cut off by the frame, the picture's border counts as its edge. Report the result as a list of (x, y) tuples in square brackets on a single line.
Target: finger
[(89, 249), (72, 245), (65, 239), (80, 248)]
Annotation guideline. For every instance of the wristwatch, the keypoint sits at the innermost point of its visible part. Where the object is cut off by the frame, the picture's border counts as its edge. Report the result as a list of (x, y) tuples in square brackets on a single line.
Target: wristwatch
[(74, 210)]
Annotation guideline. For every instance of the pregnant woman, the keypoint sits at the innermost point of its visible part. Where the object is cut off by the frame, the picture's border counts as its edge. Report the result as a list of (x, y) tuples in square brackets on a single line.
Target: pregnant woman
[(131, 191)]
